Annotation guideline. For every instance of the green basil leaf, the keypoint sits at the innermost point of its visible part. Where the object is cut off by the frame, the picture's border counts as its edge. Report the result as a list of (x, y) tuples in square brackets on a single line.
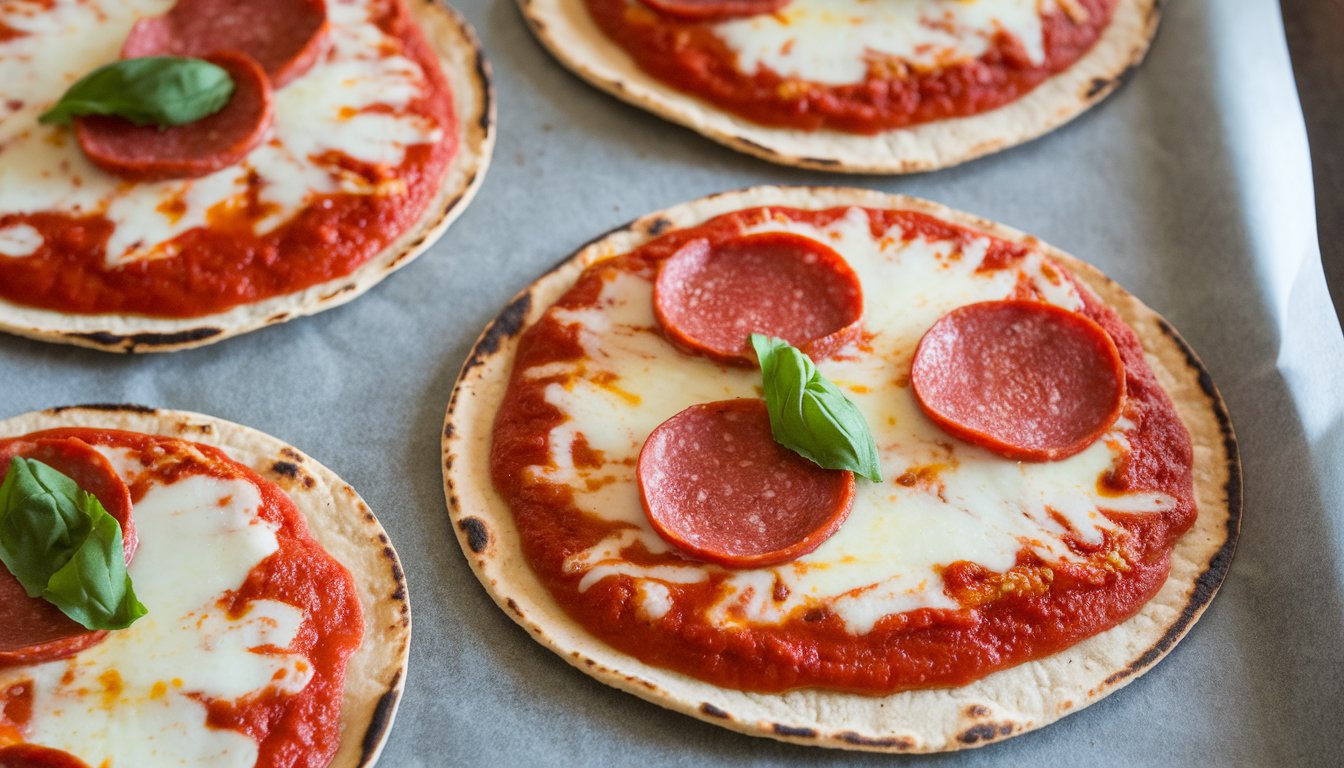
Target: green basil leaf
[(41, 523), (811, 416), (93, 587), (155, 90), (63, 546)]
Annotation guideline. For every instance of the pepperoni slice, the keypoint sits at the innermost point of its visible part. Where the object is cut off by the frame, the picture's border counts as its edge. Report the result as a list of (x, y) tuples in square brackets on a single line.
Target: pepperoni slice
[(1025, 379), (150, 153), (33, 756), (285, 36), (700, 10), (717, 486), (711, 298), (31, 629)]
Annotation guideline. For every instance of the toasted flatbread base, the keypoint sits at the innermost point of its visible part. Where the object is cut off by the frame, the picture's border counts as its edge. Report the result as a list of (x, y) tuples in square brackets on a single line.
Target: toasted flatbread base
[(468, 73), (566, 29), (340, 521), (1003, 704)]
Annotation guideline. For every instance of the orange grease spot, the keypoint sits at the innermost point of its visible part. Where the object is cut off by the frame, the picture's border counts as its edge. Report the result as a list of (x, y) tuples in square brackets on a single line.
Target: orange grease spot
[(113, 686), (174, 208), (607, 380)]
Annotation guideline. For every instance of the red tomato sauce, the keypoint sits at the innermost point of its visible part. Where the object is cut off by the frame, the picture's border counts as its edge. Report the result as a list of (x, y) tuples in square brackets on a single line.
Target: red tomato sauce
[(1031, 611), (689, 57), (300, 730), (226, 264)]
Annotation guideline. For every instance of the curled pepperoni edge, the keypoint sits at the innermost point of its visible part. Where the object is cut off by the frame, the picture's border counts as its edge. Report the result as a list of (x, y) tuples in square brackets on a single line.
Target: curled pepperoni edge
[(966, 433), (158, 36), (823, 530), (714, 10), (120, 508), (100, 136), (828, 262), (35, 756)]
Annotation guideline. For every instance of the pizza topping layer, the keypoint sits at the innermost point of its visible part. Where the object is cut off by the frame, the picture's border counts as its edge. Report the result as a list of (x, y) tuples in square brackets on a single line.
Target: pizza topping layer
[(357, 150), (241, 660), (920, 586), (857, 65), (714, 9), (1024, 379), (716, 485), (837, 41), (286, 37), (153, 152), (34, 629), (709, 299)]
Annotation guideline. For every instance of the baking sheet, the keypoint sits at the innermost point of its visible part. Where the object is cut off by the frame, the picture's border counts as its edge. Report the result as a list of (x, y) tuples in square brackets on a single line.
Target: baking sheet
[(1191, 186)]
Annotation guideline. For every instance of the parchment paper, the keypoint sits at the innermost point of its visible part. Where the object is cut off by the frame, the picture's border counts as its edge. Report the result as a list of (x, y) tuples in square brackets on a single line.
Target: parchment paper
[(1191, 186)]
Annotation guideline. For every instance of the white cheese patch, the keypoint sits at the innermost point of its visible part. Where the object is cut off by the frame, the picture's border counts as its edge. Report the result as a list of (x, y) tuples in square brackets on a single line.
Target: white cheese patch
[(131, 699), (655, 599), (19, 240), (886, 558), (833, 41), (325, 111)]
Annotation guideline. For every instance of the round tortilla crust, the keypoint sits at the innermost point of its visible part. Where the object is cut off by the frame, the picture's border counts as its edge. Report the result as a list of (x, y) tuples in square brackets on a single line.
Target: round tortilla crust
[(1003, 704), (468, 73), (337, 518), (569, 33)]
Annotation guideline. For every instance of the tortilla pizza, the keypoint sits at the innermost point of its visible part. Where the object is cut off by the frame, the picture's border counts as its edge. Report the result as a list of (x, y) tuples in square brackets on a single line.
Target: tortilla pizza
[(356, 131), (998, 568), (854, 86), (277, 629)]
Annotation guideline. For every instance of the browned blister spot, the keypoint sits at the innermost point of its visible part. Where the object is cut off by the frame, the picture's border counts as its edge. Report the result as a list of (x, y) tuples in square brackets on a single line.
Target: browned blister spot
[(285, 469), (658, 226), (478, 536), (713, 711), (381, 719), (896, 743), (984, 732)]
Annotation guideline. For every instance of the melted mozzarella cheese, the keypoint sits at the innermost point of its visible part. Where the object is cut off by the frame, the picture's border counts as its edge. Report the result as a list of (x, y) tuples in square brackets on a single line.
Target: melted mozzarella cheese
[(886, 558), (326, 110), (19, 240), (133, 699), (834, 41)]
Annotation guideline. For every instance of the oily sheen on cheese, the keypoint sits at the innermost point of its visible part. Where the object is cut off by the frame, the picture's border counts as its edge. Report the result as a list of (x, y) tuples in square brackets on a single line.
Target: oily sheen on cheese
[(886, 558), (134, 699), (834, 41), (322, 115)]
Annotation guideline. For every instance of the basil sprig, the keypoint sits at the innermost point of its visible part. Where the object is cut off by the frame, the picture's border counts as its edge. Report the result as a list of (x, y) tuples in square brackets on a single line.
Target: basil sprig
[(63, 547), (155, 90), (809, 415)]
